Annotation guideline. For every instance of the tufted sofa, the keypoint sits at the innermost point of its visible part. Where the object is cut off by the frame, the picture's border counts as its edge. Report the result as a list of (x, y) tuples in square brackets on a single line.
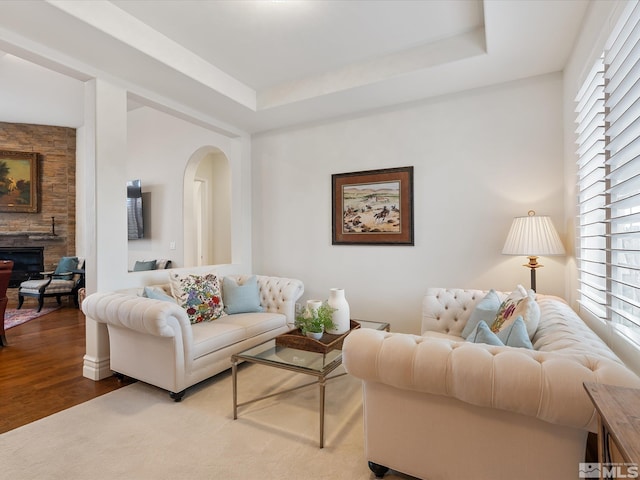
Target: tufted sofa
[(153, 340), (438, 407)]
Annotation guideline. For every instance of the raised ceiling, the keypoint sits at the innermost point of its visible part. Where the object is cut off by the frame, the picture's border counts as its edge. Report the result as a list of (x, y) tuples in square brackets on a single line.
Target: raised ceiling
[(255, 65)]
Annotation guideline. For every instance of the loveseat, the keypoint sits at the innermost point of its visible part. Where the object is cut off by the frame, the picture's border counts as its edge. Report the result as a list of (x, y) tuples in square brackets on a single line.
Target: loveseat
[(439, 407), (155, 341)]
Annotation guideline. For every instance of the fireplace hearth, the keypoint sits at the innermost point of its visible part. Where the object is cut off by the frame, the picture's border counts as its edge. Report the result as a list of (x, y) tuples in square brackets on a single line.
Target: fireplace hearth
[(28, 262)]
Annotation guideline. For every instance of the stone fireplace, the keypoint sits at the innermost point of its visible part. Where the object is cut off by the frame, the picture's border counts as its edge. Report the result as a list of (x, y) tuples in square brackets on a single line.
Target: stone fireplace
[(56, 148)]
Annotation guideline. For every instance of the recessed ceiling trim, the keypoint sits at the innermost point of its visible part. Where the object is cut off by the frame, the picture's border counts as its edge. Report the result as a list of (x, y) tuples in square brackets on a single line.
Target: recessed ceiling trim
[(364, 73), (113, 21)]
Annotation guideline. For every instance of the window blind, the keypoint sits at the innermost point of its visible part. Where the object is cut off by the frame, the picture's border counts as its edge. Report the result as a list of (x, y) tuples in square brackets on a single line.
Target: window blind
[(608, 237), (622, 119), (591, 252)]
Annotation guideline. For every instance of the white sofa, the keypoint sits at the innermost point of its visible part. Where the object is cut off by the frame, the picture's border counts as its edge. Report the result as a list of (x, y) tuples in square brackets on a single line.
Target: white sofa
[(154, 341), (438, 407)]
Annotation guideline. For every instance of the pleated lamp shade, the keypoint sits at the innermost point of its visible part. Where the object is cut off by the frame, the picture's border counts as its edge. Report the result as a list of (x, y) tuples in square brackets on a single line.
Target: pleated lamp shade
[(533, 236)]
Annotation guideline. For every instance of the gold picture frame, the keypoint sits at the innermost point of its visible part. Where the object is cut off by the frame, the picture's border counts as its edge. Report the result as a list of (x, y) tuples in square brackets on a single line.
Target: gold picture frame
[(18, 182), (373, 207)]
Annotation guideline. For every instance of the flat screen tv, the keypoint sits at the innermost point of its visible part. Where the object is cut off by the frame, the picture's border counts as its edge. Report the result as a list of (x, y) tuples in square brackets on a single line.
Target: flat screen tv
[(135, 221)]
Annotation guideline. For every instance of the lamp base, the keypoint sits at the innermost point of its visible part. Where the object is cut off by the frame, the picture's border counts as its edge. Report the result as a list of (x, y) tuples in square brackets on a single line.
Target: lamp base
[(533, 264)]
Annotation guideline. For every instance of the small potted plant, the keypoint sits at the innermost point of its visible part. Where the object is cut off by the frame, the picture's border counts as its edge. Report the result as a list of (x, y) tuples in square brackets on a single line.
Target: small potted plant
[(313, 322)]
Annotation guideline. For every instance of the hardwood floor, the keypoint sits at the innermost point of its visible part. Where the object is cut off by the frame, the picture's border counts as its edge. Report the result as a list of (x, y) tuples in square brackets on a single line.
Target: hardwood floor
[(41, 368)]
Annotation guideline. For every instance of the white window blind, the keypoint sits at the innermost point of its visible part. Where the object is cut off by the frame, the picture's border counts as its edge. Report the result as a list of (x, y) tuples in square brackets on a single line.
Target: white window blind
[(591, 254), (608, 141)]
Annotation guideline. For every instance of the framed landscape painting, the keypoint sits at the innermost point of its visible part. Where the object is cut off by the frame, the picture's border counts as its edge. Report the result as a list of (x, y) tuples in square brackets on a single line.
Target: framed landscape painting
[(18, 181), (373, 207)]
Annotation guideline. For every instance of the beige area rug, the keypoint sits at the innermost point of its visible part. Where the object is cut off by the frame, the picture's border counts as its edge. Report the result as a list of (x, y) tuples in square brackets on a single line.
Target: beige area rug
[(139, 433)]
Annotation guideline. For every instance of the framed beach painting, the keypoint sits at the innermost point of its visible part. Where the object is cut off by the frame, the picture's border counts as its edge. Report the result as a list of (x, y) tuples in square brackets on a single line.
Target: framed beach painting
[(18, 181), (373, 207)]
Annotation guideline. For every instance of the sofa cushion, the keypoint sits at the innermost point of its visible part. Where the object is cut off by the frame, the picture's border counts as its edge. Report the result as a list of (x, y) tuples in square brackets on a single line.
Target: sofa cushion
[(518, 303), (199, 295), (483, 334), (486, 309), (255, 323), (211, 336), (241, 298)]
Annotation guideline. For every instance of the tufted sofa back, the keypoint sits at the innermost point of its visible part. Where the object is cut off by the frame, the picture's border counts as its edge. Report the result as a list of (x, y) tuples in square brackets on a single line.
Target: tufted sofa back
[(446, 310), (277, 294)]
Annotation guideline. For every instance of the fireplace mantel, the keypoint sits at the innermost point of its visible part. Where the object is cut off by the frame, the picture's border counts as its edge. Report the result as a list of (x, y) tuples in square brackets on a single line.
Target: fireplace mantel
[(32, 236)]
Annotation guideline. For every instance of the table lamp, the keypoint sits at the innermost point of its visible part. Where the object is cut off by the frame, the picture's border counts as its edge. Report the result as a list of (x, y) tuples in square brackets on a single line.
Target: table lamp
[(533, 236)]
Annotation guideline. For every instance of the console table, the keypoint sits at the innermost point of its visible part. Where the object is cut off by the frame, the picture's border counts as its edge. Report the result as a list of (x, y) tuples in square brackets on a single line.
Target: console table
[(618, 425)]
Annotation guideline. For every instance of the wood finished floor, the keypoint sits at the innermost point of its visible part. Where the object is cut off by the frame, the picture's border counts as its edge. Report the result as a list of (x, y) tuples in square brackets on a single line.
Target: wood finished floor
[(41, 368)]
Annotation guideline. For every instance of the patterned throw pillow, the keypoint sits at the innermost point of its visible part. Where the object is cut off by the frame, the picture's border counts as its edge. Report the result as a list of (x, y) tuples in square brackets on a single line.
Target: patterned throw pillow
[(518, 303), (199, 295)]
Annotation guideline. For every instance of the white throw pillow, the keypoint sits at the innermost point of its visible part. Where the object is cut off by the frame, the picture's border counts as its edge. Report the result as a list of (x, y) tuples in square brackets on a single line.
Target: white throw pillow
[(519, 303)]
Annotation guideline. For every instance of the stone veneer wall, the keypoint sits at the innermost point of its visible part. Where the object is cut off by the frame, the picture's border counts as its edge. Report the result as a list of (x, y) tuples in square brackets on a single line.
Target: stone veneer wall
[(56, 147)]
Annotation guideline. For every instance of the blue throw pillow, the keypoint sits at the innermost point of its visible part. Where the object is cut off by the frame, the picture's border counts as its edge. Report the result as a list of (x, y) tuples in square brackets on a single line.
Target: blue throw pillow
[(483, 334), (66, 265), (486, 310), (515, 335), (243, 298), (158, 294)]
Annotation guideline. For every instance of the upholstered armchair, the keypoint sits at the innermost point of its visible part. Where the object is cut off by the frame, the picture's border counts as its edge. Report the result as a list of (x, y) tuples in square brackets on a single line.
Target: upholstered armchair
[(66, 280), (6, 267)]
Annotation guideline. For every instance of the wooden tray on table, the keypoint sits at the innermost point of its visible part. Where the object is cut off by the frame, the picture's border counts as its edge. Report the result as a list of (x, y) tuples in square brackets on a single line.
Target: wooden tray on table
[(328, 342)]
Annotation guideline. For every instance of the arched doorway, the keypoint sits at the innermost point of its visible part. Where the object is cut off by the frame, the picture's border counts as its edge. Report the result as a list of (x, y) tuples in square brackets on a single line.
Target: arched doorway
[(207, 208)]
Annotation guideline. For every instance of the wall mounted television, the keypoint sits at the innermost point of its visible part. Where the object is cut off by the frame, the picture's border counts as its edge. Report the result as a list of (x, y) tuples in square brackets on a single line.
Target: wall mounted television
[(135, 219)]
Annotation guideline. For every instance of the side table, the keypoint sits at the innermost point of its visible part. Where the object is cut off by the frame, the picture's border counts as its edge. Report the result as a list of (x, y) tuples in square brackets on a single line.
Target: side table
[(618, 429)]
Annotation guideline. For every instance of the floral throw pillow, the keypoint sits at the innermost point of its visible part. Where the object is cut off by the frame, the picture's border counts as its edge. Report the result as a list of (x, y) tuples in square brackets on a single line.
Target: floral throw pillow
[(199, 295), (519, 303)]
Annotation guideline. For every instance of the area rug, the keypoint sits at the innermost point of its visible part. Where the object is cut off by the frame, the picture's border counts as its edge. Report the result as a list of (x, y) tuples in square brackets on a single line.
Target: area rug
[(14, 317), (137, 432)]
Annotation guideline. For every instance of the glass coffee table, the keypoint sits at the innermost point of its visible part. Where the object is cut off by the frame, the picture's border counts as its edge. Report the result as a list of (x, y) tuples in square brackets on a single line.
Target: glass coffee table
[(319, 365)]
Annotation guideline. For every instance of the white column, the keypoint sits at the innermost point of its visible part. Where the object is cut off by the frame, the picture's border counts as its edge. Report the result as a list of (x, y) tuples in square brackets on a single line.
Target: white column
[(102, 194)]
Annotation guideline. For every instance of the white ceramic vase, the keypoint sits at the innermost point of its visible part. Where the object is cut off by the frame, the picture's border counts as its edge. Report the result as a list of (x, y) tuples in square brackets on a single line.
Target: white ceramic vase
[(342, 315)]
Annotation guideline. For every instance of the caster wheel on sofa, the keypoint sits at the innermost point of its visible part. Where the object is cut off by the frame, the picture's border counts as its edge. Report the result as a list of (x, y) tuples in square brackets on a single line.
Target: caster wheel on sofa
[(378, 470)]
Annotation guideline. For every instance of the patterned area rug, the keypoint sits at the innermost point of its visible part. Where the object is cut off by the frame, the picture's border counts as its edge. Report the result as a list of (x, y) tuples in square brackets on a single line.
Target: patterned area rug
[(13, 317)]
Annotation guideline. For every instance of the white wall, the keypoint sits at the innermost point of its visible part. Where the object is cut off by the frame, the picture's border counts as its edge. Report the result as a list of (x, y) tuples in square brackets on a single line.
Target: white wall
[(33, 94), (159, 148), (480, 158)]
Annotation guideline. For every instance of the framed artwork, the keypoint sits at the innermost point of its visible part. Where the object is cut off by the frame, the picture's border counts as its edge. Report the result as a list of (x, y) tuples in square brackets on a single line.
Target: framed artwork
[(373, 207), (18, 181)]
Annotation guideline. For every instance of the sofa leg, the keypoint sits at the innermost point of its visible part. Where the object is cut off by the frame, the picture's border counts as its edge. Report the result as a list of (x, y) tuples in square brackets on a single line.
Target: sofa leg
[(20, 301), (119, 376), (177, 396), (378, 470)]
